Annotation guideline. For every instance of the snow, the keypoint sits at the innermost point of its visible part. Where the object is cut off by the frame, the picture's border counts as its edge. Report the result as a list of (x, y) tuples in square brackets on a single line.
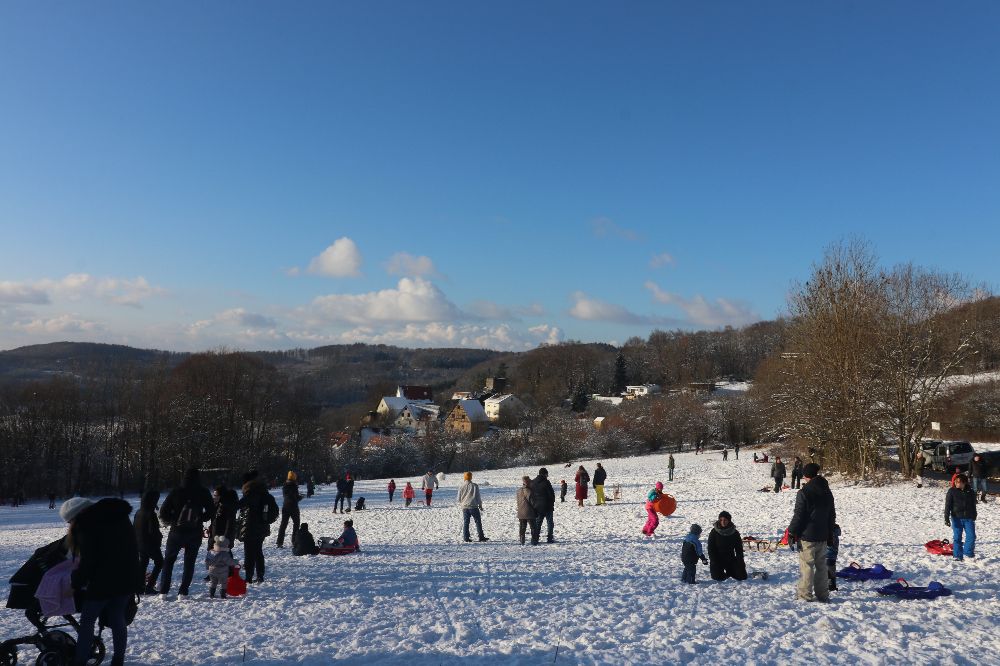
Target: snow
[(602, 594)]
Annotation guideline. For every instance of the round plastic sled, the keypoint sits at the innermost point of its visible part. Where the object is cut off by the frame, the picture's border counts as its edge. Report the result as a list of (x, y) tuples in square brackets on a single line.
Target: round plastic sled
[(904, 590), (856, 572), (666, 505)]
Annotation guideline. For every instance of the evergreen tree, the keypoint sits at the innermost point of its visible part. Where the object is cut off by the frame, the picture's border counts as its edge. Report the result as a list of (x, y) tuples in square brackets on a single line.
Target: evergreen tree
[(621, 375)]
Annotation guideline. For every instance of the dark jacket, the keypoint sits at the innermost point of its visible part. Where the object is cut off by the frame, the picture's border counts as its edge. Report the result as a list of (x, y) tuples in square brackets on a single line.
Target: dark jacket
[(147, 527), (815, 512), (224, 520), (349, 487), (543, 497), (257, 510), (599, 476), (341, 486), (977, 469), (797, 469), (778, 471), (187, 508), (290, 495), (304, 543), (725, 553), (109, 555), (960, 504), (918, 464)]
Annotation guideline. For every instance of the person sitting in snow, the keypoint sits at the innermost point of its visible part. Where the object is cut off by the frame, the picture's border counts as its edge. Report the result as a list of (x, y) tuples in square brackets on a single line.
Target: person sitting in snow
[(652, 520), (349, 539), (691, 552), (725, 550), (304, 543)]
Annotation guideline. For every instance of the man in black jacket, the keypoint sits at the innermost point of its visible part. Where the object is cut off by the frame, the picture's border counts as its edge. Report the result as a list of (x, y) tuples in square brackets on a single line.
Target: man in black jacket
[(289, 508), (338, 502), (185, 510), (960, 515), (812, 526), (599, 477), (543, 502), (977, 472), (257, 512), (149, 537)]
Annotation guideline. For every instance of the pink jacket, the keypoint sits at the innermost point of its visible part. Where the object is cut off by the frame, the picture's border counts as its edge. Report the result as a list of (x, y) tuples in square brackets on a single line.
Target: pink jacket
[(55, 591)]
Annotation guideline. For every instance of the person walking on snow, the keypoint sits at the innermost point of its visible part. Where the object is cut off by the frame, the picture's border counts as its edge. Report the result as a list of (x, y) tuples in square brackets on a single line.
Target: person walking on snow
[(348, 490), (812, 527), (543, 503), (338, 502), (960, 515), (797, 473), (149, 538), (778, 474), (670, 467), (652, 519), (471, 504), (725, 550), (289, 508), (725, 453), (525, 514), (563, 489), (392, 489), (582, 480), (918, 469), (691, 552), (429, 482), (408, 494), (736, 450), (599, 476), (977, 471)]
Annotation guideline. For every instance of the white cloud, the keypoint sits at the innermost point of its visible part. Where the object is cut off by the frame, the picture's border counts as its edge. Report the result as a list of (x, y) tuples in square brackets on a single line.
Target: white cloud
[(438, 334), (20, 292), (489, 310), (413, 300), (592, 309), (404, 263), (722, 312), (549, 335), (661, 260), (605, 226), (65, 323), (342, 259)]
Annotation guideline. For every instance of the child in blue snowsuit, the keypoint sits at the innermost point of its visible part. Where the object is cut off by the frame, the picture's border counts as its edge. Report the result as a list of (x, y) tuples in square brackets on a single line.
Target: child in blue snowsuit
[(832, 549), (691, 552)]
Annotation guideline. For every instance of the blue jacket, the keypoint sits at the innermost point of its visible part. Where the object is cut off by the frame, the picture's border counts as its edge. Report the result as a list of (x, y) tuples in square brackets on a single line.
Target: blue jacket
[(833, 549), (691, 550)]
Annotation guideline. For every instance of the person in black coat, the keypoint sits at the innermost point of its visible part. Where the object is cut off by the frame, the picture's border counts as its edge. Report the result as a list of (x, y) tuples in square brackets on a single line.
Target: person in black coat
[(348, 491), (149, 537), (600, 476), (797, 473), (977, 472), (338, 502), (813, 527), (224, 519), (960, 514), (304, 543), (543, 503), (725, 550), (108, 574), (289, 508), (778, 474), (257, 512), (185, 510)]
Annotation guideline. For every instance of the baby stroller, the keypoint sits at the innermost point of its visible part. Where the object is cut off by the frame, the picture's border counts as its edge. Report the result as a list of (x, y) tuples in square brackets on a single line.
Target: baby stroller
[(54, 643)]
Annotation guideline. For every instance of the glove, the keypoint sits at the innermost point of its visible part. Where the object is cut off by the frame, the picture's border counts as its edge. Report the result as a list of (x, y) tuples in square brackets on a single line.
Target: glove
[(947, 522)]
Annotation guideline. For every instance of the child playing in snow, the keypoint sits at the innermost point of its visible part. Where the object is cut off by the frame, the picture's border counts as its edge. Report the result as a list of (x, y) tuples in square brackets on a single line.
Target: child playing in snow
[(832, 548), (217, 561), (691, 552), (563, 487), (652, 520), (349, 539), (304, 543), (408, 493)]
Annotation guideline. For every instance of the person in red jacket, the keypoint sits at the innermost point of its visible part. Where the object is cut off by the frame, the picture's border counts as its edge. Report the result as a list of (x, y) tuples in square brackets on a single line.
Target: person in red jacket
[(582, 481), (392, 489), (408, 493)]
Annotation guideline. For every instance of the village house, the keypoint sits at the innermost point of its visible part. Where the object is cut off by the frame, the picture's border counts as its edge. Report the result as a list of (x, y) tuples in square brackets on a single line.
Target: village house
[(467, 417), (418, 418), (505, 406), (641, 391)]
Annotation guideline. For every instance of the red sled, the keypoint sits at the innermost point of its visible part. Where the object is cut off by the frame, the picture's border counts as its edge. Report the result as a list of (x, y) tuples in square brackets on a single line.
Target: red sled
[(340, 550), (939, 547), (236, 586)]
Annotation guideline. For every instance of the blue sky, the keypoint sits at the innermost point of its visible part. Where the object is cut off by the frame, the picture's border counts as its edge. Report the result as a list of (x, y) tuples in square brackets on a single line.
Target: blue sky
[(263, 176)]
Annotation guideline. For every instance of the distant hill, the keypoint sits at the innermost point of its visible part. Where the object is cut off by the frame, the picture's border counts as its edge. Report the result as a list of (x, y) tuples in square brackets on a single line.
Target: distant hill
[(36, 362)]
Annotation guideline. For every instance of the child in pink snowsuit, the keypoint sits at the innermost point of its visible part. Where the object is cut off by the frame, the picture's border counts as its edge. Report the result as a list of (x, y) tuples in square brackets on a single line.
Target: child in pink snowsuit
[(653, 520)]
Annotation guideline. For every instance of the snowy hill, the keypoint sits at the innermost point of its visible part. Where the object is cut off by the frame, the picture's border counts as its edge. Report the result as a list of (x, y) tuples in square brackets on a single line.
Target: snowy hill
[(602, 595)]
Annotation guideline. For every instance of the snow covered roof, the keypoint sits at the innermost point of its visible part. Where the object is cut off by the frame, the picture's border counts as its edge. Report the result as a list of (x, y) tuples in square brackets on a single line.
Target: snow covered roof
[(497, 399), (473, 409)]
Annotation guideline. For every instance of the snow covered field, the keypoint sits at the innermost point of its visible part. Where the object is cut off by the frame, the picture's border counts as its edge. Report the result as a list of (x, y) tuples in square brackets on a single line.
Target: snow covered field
[(602, 594)]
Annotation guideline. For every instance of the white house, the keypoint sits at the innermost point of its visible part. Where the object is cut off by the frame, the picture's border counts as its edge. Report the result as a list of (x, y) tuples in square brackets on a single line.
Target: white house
[(641, 390), (503, 405), (417, 418), (390, 406)]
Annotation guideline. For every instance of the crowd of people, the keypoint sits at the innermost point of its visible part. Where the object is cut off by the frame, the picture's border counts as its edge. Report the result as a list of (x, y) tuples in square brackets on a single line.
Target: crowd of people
[(115, 553)]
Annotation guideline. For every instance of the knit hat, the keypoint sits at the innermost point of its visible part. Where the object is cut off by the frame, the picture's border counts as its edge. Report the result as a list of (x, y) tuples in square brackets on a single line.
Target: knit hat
[(467, 476), (695, 528), (810, 471), (222, 541), (543, 472), (292, 476), (725, 514), (72, 507), (659, 485)]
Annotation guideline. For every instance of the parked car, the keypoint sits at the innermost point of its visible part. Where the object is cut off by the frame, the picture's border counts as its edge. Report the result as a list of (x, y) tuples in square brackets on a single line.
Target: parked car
[(950, 456), (927, 447)]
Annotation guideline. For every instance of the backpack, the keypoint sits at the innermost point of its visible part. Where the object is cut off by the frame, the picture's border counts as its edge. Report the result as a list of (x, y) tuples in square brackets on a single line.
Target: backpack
[(269, 512), (190, 514)]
